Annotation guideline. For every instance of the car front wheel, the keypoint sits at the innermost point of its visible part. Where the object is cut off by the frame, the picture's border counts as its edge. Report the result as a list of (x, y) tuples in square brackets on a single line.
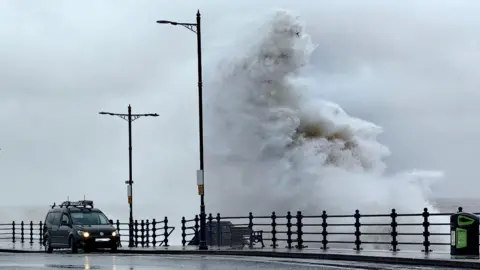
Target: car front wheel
[(114, 248), (73, 245), (48, 245)]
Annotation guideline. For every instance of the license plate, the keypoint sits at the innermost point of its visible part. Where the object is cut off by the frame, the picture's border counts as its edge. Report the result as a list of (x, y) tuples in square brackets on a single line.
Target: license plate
[(102, 239)]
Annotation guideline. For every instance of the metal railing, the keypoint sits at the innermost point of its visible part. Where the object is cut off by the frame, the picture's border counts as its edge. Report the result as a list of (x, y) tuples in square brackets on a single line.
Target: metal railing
[(389, 231), (146, 233), (424, 231)]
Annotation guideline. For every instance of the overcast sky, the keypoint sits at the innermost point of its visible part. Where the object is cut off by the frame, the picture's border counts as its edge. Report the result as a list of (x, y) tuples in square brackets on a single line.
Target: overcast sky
[(411, 67)]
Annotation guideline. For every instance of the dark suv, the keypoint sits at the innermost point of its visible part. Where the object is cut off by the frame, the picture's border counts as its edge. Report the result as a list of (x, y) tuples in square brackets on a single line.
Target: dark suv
[(78, 225)]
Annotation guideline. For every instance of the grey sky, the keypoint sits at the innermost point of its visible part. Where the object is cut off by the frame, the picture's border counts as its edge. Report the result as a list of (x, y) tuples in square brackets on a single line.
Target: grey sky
[(410, 67)]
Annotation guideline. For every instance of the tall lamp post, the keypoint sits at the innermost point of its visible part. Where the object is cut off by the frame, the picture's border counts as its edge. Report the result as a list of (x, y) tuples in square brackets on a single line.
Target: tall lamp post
[(129, 117), (195, 28)]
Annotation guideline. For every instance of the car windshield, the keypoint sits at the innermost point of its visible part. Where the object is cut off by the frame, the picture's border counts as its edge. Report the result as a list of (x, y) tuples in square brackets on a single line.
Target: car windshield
[(89, 218)]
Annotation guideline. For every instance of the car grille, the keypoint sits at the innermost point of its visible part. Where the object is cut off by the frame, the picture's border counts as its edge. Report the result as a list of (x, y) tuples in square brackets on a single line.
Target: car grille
[(97, 234)]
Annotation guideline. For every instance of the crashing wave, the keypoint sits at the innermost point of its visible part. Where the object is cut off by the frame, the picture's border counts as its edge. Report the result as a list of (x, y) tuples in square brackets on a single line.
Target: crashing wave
[(289, 150)]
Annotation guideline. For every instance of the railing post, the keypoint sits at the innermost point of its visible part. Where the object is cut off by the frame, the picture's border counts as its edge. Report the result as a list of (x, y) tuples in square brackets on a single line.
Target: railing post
[(154, 232), (40, 232), (142, 233), (31, 232), (147, 233), (119, 233), (197, 231), (426, 233), (219, 231), (210, 229), (165, 234), (289, 230), (394, 232), (299, 230), (184, 234), (358, 242), (324, 230), (250, 228), (135, 224), (22, 234), (13, 232), (274, 230)]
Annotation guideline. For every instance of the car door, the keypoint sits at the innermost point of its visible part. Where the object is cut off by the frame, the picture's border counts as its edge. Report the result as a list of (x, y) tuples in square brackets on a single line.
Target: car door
[(54, 224), (47, 225), (64, 230)]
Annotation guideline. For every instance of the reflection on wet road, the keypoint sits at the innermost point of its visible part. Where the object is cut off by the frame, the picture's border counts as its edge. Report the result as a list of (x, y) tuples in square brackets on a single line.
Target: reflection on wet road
[(117, 262)]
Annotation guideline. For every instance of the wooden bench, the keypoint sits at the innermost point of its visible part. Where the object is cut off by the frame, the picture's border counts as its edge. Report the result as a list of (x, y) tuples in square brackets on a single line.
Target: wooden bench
[(249, 237), (232, 235)]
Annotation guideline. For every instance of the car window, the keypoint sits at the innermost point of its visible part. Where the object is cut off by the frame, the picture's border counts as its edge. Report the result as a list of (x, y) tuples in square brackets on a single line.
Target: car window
[(89, 218), (56, 218), (48, 218), (51, 218), (65, 219)]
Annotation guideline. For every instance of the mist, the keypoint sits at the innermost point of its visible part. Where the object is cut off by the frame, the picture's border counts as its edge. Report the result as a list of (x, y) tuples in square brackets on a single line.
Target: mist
[(408, 68)]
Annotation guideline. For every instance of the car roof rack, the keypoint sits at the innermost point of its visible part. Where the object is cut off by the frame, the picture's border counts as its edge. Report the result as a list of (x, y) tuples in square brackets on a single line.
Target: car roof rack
[(82, 203)]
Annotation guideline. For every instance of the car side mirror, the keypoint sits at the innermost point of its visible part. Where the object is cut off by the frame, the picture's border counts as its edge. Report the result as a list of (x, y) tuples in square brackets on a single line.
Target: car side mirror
[(65, 223)]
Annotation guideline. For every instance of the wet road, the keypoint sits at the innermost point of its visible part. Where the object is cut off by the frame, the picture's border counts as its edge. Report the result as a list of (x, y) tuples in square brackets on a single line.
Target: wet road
[(118, 262)]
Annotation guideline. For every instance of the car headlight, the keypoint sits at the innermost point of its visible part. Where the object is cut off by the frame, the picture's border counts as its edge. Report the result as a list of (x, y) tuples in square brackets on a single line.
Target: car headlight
[(84, 234), (114, 233)]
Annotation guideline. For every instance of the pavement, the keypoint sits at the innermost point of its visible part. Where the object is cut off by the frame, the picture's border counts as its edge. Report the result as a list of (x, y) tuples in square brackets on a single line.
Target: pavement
[(409, 259), (186, 262)]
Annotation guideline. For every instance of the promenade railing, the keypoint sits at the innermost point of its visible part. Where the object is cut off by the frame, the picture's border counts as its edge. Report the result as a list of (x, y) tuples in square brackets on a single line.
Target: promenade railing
[(424, 231), (146, 233)]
